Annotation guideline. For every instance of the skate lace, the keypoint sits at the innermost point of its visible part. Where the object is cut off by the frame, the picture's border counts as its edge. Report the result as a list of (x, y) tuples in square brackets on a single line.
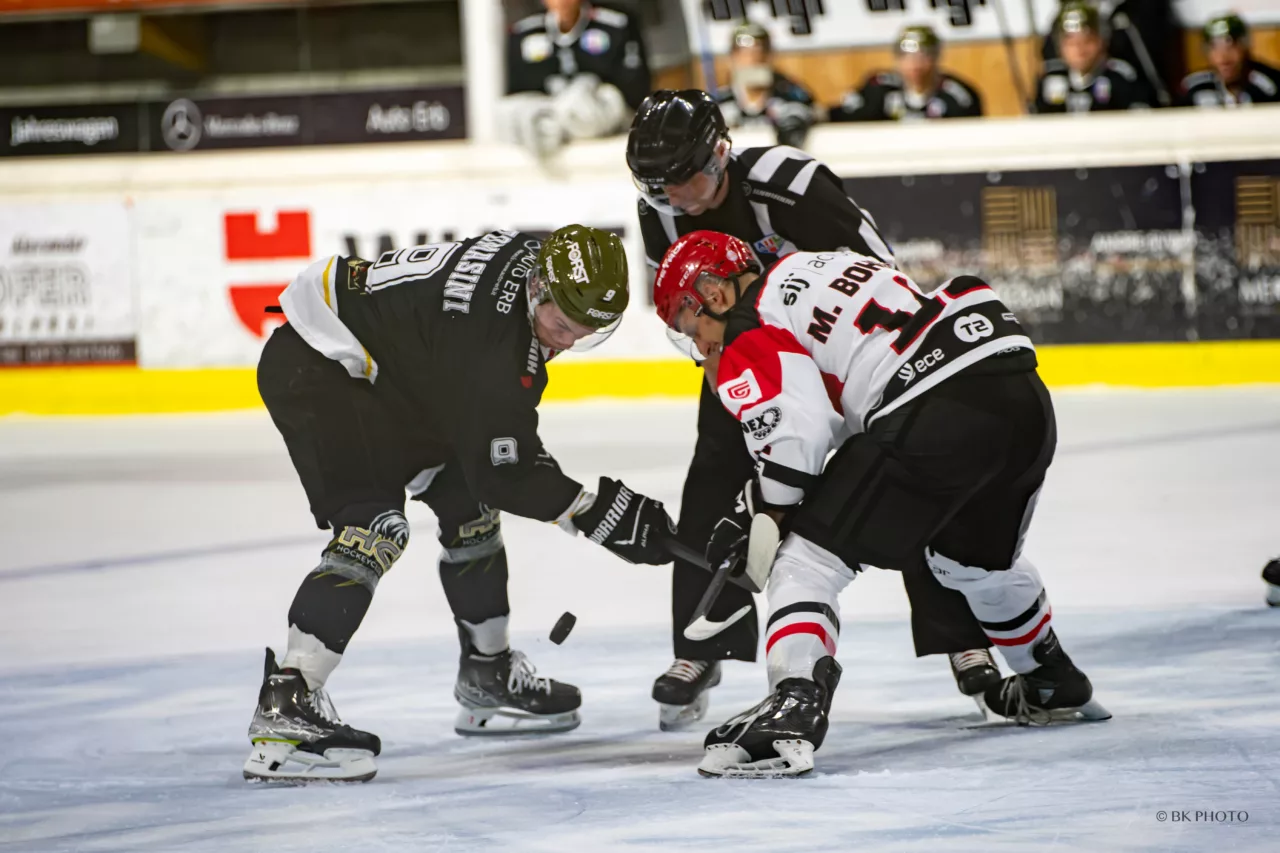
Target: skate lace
[(1025, 713), (523, 676), (687, 670), (968, 660), (323, 705), (748, 716)]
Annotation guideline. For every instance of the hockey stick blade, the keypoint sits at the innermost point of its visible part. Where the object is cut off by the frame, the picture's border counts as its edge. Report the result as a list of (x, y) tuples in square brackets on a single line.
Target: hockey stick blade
[(702, 628)]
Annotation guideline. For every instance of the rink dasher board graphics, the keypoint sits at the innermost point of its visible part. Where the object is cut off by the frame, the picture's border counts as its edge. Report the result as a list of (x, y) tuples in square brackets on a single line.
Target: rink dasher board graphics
[(1124, 264), (67, 284)]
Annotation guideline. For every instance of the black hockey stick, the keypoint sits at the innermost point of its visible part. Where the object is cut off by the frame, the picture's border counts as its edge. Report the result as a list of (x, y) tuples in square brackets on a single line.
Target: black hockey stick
[(1011, 56), (700, 627), (1122, 21)]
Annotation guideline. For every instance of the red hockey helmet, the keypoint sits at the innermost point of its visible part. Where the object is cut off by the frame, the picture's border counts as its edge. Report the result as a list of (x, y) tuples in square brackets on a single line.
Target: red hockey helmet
[(694, 255)]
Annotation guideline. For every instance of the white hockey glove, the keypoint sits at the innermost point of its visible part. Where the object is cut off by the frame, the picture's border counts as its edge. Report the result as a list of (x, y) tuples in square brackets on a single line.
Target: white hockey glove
[(528, 119), (747, 539), (587, 108)]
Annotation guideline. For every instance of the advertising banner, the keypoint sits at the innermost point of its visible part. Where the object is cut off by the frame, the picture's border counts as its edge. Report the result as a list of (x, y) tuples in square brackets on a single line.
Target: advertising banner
[(827, 24), (202, 124), (66, 284), (1081, 255), (90, 129), (198, 124), (218, 261)]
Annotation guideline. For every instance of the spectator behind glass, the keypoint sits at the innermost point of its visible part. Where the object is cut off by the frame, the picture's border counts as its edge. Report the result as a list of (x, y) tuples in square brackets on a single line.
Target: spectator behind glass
[(1143, 33), (917, 90), (1236, 78), (577, 71), (759, 96), (1085, 79)]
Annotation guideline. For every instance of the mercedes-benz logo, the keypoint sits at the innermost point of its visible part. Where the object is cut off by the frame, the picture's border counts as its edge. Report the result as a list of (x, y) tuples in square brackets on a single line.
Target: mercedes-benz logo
[(181, 125)]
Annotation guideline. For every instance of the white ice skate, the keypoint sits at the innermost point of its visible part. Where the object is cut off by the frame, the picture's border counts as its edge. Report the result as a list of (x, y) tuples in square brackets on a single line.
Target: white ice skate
[(281, 761)]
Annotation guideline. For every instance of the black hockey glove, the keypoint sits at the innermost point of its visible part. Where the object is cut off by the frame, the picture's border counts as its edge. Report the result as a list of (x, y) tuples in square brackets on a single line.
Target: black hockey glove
[(732, 533), (629, 524)]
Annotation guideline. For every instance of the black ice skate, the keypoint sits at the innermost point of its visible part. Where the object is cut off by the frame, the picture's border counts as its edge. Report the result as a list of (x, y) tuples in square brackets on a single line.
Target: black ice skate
[(1271, 574), (501, 695), (975, 671), (1055, 691), (297, 736), (681, 692), (779, 736)]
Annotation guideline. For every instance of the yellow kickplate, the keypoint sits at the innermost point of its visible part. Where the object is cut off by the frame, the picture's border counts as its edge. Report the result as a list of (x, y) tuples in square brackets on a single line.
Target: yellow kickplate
[(132, 390)]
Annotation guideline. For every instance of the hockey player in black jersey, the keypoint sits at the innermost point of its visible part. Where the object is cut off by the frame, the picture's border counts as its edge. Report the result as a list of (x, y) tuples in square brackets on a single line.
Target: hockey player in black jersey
[(760, 96), (1086, 79), (576, 72), (1236, 78), (779, 200), (421, 372), (918, 89)]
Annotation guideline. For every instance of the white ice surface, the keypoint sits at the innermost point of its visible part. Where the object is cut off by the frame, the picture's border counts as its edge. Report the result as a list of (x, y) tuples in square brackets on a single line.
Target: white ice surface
[(146, 562)]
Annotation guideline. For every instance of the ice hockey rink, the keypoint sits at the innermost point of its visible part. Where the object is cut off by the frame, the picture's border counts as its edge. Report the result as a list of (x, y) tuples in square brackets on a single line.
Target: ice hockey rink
[(148, 561)]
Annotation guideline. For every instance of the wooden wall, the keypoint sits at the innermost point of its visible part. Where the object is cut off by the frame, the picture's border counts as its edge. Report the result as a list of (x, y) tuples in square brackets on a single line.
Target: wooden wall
[(984, 65)]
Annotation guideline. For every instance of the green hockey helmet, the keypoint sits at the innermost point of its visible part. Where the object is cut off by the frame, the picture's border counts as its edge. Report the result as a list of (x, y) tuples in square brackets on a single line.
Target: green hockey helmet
[(918, 38), (1229, 26), (1077, 16), (584, 272), (748, 34)]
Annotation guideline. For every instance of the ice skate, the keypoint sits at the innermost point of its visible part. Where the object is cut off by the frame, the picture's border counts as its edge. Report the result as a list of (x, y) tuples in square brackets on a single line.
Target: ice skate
[(779, 736), (1054, 692), (502, 695), (681, 692), (1271, 574), (975, 671), (297, 736)]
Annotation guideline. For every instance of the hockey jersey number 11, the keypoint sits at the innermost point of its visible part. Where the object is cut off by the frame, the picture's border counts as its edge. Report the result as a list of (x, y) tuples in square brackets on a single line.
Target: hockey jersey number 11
[(841, 340)]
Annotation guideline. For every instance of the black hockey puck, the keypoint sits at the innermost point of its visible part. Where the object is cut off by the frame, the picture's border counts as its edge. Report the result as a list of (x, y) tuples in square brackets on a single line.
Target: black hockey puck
[(562, 627)]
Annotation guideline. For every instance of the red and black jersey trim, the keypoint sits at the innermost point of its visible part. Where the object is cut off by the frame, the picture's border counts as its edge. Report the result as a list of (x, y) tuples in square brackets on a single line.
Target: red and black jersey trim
[(1018, 621), (805, 607)]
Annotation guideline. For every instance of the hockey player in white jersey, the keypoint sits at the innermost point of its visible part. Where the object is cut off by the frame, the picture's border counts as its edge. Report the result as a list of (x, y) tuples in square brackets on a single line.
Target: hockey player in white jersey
[(942, 433)]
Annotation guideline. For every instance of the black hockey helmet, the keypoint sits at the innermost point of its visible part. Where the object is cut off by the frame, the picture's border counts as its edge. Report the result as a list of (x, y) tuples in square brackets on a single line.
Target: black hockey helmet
[(673, 137)]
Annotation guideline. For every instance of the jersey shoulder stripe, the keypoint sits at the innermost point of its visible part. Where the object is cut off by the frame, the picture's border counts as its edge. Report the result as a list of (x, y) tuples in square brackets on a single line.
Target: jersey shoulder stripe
[(1124, 69), (530, 23), (610, 17)]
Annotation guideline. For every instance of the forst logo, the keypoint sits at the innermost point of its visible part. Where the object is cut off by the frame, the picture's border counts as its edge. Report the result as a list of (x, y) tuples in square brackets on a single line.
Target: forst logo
[(578, 268)]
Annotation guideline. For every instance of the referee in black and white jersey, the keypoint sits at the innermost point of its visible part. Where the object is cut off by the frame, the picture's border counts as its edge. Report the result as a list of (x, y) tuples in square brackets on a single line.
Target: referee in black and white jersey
[(779, 200)]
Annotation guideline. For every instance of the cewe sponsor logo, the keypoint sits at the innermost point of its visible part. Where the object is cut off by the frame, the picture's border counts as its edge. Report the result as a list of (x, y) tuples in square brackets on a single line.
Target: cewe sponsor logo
[(248, 239), (741, 392)]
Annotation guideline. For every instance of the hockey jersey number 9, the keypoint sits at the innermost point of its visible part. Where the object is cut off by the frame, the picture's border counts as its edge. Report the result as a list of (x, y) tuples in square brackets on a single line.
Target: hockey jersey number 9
[(841, 339)]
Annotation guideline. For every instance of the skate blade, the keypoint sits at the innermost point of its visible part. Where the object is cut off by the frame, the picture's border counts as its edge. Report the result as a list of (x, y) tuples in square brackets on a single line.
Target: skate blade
[(988, 715), (1273, 595), (1090, 712), (730, 761), (512, 722), (674, 718), (276, 761)]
